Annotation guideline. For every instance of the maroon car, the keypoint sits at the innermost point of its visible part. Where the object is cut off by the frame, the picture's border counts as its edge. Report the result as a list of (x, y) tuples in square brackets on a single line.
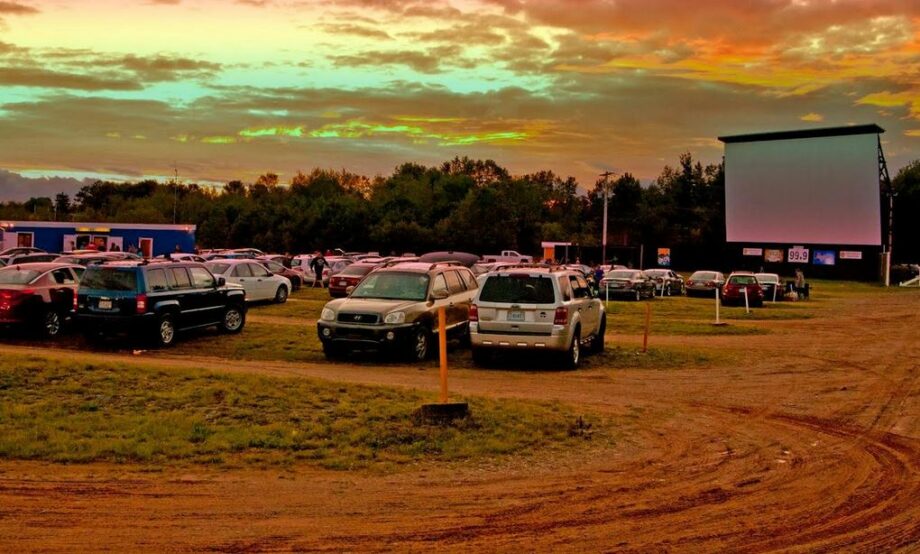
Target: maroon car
[(737, 283), (278, 268), (350, 276), (38, 297)]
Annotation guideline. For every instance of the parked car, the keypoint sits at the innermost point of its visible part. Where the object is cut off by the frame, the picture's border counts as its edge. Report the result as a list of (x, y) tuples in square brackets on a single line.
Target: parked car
[(536, 308), (295, 277), (737, 283), (258, 282), (182, 256), (20, 250), (29, 258), (395, 309), (156, 300), (772, 286), (628, 283), (38, 296), (705, 283), (667, 281), (90, 258), (350, 276)]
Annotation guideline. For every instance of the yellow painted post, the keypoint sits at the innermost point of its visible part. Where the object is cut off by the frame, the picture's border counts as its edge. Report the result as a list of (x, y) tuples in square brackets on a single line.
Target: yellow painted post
[(442, 347), (648, 319)]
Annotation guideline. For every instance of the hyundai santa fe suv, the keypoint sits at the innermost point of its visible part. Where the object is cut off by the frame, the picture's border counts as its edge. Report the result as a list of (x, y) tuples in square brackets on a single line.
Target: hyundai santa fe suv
[(156, 300), (552, 309), (395, 309)]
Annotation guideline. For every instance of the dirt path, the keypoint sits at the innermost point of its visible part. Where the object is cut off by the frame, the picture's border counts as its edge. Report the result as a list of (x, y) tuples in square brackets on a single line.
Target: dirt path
[(809, 439)]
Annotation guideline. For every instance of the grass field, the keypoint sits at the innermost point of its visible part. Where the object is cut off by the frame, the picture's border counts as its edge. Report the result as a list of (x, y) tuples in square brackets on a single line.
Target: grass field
[(53, 411)]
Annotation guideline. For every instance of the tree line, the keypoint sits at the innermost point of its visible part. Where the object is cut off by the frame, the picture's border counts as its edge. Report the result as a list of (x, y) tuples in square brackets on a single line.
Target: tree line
[(463, 204)]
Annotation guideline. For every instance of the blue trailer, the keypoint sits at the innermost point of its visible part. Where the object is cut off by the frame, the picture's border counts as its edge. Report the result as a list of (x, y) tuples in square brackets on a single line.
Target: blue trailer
[(57, 236)]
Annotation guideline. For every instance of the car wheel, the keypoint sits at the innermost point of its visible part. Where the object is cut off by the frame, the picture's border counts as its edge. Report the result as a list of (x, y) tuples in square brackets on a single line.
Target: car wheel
[(166, 331), (234, 320), (597, 343), (281, 295), (419, 345), (572, 357), (51, 324), (481, 357)]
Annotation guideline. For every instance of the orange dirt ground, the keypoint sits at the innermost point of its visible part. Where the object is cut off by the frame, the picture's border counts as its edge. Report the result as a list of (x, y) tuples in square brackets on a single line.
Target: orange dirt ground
[(811, 442)]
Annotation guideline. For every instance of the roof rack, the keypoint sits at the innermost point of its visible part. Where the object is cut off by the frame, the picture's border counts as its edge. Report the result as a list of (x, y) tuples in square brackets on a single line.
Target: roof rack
[(550, 267), (445, 263)]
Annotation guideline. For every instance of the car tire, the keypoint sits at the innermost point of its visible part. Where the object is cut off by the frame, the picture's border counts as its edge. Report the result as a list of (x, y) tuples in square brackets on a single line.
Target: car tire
[(481, 357), (597, 343), (165, 332), (281, 295), (234, 319), (572, 356), (419, 348), (51, 324)]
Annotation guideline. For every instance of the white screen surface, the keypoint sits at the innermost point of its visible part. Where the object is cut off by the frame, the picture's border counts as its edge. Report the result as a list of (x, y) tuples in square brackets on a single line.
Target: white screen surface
[(822, 190)]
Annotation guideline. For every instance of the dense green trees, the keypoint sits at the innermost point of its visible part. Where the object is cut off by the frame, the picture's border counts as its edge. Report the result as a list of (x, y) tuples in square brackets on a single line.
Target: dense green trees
[(462, 204)]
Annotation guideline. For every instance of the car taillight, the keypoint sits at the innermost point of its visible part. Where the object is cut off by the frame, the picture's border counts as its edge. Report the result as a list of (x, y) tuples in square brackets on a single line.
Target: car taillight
[(10, 295), (474, 312), (75, 301), (561, 317), (141, 303), (710, 283)]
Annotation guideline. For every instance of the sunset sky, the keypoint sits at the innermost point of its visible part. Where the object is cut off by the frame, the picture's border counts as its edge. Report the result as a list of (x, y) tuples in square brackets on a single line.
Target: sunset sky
[(232, 89)]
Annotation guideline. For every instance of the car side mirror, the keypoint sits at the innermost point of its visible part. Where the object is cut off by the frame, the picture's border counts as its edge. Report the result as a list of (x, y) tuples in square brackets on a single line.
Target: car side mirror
[(221, 281)]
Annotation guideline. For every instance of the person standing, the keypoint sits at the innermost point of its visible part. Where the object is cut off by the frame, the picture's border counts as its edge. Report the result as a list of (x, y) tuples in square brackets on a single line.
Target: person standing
[(317, 264)]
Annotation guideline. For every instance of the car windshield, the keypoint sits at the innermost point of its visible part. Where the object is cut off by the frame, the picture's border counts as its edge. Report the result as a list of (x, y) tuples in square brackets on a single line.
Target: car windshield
[(392, 285), (518, 289), (768, 278), (109, 278), (703, 276), (13, 276), (217, 267), (623, 274)]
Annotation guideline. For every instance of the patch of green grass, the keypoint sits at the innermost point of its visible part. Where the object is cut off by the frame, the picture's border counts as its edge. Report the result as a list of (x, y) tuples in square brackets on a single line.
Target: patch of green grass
[(53, 411), (258, 341)]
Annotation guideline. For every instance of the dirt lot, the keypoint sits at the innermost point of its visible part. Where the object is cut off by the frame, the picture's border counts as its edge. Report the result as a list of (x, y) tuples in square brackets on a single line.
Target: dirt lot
[(803, 439)]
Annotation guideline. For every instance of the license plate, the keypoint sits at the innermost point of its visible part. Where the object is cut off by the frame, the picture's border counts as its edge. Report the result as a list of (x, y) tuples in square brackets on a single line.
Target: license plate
[(105, 304), (343, 283), (515, 315)]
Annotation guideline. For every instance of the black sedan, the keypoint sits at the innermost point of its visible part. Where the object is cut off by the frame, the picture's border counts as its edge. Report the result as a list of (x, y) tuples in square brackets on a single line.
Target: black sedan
[(627, 283)]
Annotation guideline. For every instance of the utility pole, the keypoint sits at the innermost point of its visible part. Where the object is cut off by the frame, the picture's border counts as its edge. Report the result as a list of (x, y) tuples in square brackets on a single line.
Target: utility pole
[(175, 191), (605, 175)]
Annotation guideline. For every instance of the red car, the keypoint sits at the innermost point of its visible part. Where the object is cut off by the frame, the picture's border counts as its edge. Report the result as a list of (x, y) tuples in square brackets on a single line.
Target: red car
[(350, 276), (39, 296), (737, 283)]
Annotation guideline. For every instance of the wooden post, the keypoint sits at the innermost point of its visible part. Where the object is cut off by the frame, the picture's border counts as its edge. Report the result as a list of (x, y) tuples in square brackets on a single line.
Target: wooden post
[(648, 319), (442, 348)]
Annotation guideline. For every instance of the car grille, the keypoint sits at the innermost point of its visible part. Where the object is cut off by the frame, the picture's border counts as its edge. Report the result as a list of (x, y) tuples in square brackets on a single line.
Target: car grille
[(358, 318)]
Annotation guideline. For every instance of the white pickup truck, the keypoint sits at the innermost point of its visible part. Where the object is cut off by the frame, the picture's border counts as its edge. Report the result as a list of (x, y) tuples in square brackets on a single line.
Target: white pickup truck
[(508, 256)]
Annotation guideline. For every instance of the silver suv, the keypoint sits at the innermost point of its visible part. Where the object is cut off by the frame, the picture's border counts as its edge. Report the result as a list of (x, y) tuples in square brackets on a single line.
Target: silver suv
[(536, 308)]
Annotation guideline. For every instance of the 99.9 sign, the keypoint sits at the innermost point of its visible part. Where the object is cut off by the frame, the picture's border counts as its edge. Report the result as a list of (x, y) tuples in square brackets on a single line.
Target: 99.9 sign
[(798, 255)]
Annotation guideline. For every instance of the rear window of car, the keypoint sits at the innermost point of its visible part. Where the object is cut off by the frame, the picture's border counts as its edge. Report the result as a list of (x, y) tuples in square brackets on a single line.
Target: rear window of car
[(623, 274), (109, 278), (703, 276), (743, 280), (518, 289), (13, 276)]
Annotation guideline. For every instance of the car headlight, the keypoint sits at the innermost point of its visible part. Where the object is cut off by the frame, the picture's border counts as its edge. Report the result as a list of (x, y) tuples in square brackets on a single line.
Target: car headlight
[(395, 317), (328, 314)]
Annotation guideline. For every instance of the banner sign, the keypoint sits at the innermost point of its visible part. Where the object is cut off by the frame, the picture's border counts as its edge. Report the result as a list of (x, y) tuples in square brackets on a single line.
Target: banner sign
[(798, 255), (773, 255), (850, 255), (664, 257), (752, 251), (824, 257)]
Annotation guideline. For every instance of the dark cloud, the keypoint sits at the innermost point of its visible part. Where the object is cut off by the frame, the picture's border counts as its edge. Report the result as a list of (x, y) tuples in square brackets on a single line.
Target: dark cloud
[(15, 8), (15, 187), (356, 30), (423, 62), (37, 77)]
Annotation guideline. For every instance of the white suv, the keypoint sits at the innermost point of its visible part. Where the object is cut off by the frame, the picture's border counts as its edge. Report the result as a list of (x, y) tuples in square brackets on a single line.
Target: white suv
[(536, 308)]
